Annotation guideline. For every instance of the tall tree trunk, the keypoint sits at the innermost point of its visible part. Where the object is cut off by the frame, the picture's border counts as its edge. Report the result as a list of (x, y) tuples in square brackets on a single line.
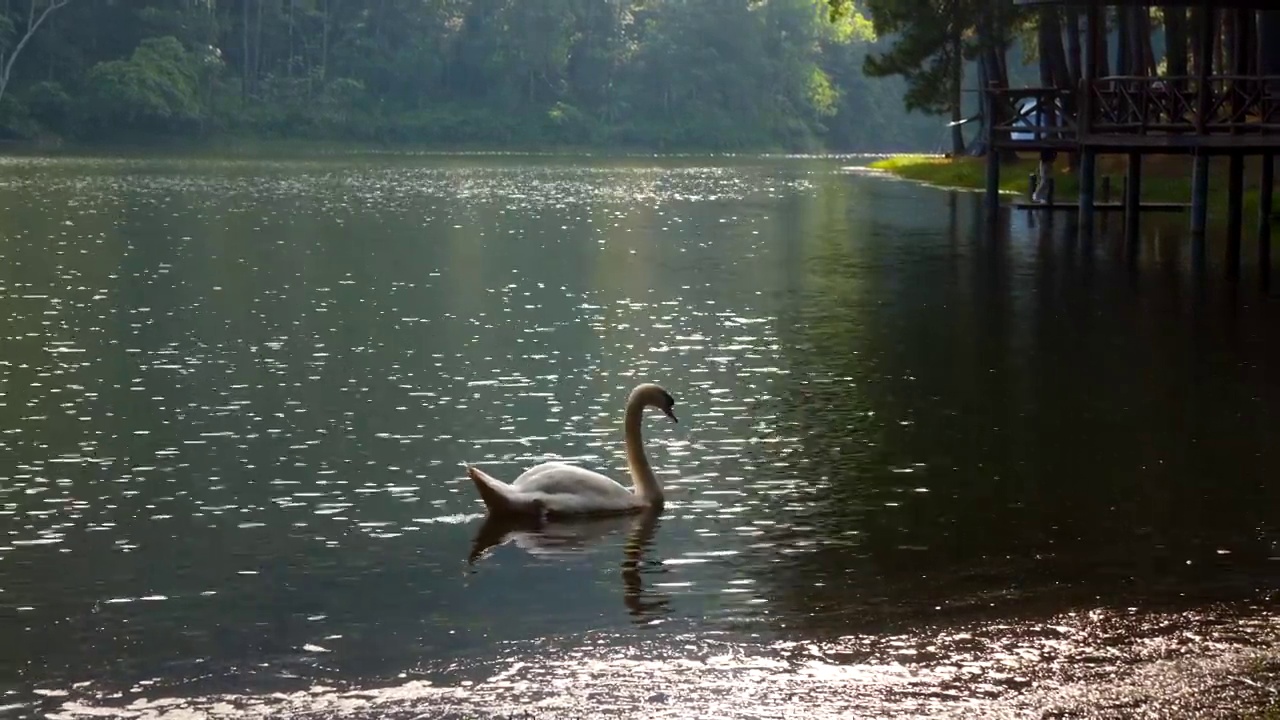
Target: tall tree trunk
[(324, 39), (1269, 42), (1194, 26), (1243, 61), (1044, 41), (1100, 50), (1124, 44), (1074, 55), (257, 49), (1226, 60), (1175, 43), (289, 64), (244, 49), (1143, 61), (957, 83), (992, 42), (1051, 44), (1247, 38), (1148, 48)]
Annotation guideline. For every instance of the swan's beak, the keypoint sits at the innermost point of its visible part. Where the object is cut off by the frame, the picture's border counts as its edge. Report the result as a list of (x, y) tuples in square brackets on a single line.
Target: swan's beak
[(671, 414)]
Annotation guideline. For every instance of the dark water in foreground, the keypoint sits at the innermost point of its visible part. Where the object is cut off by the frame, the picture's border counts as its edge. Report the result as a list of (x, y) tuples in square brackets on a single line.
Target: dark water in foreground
[(921, 470)]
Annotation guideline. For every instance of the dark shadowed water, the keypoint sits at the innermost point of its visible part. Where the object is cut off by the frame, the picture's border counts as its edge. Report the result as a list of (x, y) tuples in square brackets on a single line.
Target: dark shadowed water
[(922, 468)]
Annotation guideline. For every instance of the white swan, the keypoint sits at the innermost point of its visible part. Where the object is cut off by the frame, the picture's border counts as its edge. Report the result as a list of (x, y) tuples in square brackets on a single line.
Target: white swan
[(558, 489)]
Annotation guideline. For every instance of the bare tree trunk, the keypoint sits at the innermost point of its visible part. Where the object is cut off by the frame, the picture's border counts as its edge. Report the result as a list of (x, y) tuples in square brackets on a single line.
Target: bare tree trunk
[(33, 23)]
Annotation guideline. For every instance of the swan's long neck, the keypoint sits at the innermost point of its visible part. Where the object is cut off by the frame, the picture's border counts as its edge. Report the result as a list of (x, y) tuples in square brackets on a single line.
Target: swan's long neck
[(646, 485)]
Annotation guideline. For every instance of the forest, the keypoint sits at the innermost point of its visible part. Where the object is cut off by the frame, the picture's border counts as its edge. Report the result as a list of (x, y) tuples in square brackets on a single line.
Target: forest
[(650, 74), (793, 75)]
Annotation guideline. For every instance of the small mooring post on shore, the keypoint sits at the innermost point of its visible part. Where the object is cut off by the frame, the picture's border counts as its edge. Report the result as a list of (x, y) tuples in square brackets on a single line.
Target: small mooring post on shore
[(1264, 219)]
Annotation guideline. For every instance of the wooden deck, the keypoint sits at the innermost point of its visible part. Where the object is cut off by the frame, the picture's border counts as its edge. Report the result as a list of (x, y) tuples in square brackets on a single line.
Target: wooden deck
[(1103, 206)]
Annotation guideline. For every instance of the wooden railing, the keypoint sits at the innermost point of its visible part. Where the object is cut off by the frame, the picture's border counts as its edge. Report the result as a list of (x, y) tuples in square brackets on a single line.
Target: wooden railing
[(1143, 105), (1227, 104), (1048, 115)]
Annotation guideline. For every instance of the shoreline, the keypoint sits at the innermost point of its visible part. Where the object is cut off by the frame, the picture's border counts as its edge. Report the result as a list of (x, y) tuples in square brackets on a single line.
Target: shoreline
[(1165, 179), (231, 146)]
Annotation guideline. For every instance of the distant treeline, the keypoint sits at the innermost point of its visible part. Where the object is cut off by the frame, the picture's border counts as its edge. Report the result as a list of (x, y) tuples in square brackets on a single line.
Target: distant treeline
[(653, 74)]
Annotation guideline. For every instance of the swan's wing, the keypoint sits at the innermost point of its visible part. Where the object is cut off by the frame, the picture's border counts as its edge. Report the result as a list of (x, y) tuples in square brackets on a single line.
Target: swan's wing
[(571, 489), (558, 477)]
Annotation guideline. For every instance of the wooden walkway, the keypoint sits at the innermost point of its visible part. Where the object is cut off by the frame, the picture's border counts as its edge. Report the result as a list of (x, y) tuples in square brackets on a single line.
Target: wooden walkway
[(1103, 206)]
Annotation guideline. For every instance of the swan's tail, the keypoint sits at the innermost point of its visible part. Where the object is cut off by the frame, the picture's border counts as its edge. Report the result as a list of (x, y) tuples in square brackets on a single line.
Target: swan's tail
[(497, 495)]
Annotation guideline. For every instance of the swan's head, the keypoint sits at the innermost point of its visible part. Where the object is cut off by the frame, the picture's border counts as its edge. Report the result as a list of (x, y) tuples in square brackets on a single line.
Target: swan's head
[(651, 395)]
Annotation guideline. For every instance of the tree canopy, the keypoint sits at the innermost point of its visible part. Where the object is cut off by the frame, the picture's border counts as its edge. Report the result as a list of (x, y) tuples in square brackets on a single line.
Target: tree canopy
[(655, 74)]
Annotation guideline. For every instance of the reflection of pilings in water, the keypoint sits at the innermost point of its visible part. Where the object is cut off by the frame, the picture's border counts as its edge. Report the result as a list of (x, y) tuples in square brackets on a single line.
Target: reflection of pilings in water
[(1264, 220)]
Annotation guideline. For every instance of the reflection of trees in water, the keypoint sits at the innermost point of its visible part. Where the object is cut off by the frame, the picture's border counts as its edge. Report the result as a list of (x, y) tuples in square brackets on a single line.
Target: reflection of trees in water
[(1048, 414)]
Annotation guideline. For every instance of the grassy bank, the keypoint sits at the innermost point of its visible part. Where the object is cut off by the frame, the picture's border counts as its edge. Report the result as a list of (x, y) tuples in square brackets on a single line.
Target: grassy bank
[(1164, 178)]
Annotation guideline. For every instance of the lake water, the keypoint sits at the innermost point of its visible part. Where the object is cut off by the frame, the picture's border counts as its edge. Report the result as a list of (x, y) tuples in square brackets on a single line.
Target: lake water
[(921, 467)]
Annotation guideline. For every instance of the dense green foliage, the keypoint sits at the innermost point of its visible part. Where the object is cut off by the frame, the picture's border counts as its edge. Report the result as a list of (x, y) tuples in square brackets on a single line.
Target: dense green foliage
[(653, 74)]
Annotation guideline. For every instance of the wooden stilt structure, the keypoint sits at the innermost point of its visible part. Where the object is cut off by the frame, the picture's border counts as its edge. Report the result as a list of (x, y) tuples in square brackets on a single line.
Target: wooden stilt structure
[(1234, 112)]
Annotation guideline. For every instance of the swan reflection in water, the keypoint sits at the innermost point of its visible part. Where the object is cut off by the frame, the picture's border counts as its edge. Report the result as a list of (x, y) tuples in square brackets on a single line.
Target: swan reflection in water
[(568, 538)]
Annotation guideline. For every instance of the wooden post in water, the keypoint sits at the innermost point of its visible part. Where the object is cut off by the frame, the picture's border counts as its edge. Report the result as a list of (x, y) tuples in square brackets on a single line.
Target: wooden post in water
[(1204, 101), (1235, 211), (1087, 170), (1084, 122), (1132, 202), (1199, 203), (1264, 219)]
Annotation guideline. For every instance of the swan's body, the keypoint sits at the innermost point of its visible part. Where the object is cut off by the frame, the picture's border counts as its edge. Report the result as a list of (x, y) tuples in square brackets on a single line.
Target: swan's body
[(556, 488)]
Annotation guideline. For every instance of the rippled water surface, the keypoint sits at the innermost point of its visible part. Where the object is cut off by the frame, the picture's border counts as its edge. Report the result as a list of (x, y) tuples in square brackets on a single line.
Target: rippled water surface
[(921, 468)]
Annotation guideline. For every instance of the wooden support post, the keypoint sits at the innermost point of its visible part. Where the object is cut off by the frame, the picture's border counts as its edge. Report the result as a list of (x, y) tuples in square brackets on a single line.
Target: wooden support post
[(1235, 211), (1199, 204), (1088, 168), (993, 155), (993, 183), (1264, 218), (1106, 188), (1088, 171), (1132, 202), (1204, 96)]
